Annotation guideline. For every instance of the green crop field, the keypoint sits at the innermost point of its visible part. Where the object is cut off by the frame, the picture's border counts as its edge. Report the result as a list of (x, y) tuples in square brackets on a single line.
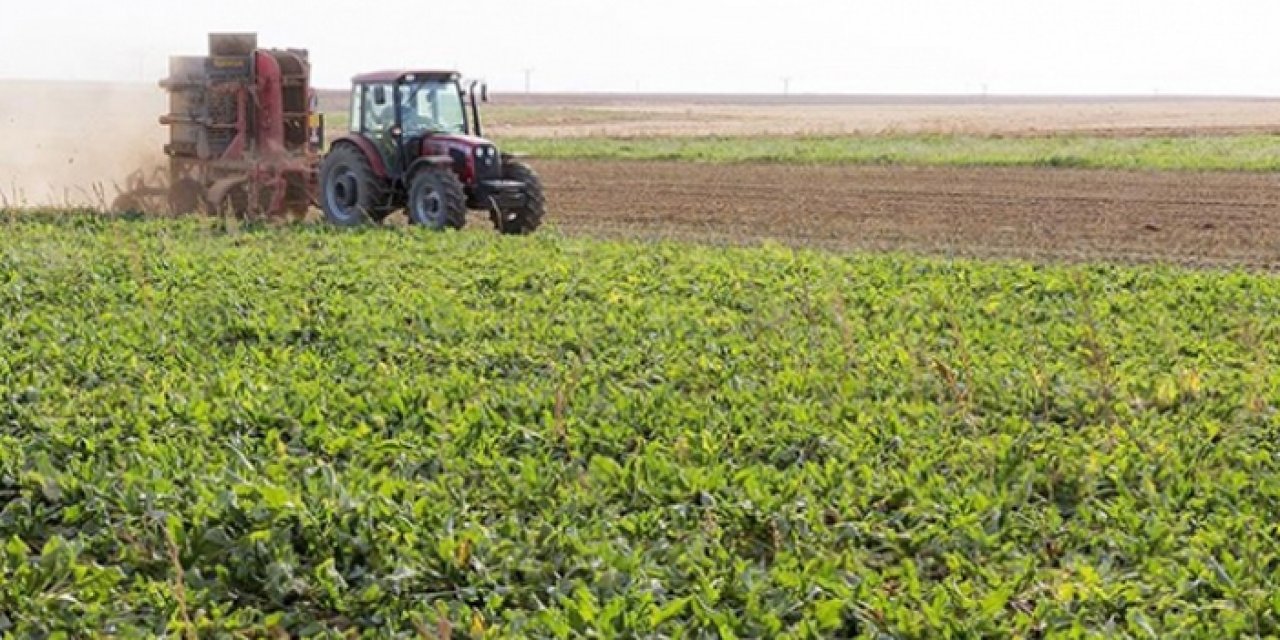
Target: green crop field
[(1199, 153), (211, 431)]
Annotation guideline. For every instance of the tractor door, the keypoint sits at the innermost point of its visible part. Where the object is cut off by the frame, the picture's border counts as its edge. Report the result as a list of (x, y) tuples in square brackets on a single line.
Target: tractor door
[(377, 120)]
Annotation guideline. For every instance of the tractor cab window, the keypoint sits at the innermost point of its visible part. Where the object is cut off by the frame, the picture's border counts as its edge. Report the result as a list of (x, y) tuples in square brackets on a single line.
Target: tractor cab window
[(432, 107), (378, 114)]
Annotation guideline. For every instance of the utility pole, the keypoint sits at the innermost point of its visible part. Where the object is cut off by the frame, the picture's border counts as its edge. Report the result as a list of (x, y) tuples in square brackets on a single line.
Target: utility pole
[(528, 80), (786, 86)]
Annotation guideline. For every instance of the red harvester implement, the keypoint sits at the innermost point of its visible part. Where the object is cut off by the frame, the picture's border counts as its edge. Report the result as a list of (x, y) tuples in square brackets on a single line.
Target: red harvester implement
[(243, 139)]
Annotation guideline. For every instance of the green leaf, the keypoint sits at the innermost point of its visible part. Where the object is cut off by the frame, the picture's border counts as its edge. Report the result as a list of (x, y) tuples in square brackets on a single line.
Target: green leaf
[(669, 611), (16, 550), (371, 594), (605, 467), (829, 613), (275, 497), (995, 601)]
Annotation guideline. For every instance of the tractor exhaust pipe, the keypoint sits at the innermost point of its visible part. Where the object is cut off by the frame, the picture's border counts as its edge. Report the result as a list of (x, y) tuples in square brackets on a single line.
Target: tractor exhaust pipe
[(475, 108), (232, 45)]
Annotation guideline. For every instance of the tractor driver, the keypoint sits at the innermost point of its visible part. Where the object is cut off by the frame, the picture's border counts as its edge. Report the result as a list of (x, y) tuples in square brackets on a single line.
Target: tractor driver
[(410, 114), (378, 117), (417, 108)]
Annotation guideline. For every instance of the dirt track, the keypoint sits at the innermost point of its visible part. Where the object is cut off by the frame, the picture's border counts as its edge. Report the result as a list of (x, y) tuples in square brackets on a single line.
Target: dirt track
[(1200, 219)]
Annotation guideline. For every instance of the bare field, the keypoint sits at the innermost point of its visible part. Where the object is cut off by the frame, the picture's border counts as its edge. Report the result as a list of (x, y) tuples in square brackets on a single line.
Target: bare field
[(1194, 219), (646, 116)]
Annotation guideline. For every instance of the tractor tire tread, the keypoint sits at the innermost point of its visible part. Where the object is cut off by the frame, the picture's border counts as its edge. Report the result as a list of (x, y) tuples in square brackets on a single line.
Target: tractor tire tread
[(528, 218), (372, 190), (455, 197)]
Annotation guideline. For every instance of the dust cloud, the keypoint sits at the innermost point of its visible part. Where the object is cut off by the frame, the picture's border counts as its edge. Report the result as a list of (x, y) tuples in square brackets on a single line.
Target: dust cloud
[(69, 144)]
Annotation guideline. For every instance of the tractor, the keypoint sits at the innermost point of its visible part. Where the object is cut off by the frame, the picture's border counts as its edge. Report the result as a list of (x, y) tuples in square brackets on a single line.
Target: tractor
[(414, 145), (246, 138)]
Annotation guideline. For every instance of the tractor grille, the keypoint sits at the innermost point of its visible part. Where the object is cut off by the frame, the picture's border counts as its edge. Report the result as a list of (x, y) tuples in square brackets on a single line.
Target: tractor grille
[(488, 165)]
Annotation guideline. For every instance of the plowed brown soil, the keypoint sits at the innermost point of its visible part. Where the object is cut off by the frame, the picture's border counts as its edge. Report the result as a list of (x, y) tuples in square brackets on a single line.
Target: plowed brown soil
[(1210, 219)]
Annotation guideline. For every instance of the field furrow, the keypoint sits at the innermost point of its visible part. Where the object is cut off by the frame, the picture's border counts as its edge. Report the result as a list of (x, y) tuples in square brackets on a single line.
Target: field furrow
[(1189, 218)]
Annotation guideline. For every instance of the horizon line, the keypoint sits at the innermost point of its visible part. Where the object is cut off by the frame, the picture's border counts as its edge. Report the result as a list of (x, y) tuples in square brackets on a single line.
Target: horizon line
[(1153, 94)]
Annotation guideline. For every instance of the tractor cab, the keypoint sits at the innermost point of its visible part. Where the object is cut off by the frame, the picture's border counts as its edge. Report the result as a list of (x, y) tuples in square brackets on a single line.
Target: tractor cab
[(397, 112), (415, 144)]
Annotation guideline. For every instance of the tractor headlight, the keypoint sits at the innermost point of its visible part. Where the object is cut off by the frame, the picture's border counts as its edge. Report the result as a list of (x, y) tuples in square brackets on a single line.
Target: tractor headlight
[(479, 152)]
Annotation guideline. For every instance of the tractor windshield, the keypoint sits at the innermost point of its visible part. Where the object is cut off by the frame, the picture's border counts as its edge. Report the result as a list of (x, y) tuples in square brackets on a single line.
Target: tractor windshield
[(432, 106)]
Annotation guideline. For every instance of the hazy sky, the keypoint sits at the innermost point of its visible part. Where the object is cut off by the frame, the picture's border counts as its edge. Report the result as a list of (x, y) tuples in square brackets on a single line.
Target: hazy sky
[(880, 46)]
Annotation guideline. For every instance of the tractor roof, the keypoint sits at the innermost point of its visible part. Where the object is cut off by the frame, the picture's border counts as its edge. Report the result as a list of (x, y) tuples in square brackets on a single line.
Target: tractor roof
[(398, 75)]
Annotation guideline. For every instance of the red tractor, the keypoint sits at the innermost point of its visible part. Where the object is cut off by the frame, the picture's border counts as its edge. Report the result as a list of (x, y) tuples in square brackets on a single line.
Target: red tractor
[(415, 145), (246, 140)]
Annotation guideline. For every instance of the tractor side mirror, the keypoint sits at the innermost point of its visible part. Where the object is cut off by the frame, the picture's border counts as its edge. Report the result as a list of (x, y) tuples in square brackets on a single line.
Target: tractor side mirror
[(484, 92)]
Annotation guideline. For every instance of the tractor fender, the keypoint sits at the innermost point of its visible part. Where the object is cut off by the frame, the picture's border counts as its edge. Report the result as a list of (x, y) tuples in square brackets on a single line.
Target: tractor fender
[(221, 188), (369, 151), (440, 162)]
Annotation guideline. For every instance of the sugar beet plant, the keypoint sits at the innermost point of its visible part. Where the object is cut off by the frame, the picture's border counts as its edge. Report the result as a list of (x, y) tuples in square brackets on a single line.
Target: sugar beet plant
[(208, 432)]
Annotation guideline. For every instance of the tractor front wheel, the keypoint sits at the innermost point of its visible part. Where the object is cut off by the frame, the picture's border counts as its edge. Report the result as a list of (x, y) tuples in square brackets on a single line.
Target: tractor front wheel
[(350, 193), (437, 200), (528, 218)]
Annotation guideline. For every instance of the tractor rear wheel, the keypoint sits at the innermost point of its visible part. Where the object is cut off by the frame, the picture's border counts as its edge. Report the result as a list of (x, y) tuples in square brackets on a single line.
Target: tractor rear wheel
[(437, 200), (527, 218), (350, 193)]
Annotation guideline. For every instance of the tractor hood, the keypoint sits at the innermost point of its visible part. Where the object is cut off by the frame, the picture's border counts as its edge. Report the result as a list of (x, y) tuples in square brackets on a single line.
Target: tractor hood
[(474, 158)]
